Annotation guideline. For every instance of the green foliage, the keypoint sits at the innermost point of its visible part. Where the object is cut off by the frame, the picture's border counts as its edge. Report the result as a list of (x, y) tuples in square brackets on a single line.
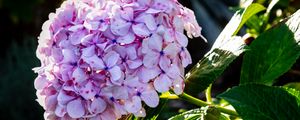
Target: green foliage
[(260, 102), (295, 85), (272, 53), (224, 51), (248, 13), (203, 113), (212, 65)]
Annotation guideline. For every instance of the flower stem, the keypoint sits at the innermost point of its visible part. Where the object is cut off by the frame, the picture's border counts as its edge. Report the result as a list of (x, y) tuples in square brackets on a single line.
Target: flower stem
[(208, 94), (201, 103)]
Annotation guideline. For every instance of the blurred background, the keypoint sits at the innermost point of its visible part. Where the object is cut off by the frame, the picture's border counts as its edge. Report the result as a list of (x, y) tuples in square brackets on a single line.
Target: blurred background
[(21, 22)]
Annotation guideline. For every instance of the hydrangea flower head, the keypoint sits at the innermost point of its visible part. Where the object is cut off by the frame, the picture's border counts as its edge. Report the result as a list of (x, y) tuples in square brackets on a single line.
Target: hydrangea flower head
[(101, 59)]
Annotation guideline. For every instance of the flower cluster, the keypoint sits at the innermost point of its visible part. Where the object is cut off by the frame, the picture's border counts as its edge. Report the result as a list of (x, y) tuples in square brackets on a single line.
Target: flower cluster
[(100, 59)]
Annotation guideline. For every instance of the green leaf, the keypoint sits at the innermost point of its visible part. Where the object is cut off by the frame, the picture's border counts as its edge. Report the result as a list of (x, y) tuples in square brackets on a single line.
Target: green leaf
[(248, 13), (272, 53), (236, 22), (203, 113), (295, 85), (212, 65), (224, 51), (260, 102)]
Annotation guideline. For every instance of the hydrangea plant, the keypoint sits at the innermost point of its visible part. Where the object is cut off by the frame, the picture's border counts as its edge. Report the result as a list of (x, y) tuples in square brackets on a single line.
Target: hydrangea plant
[(106, 59)]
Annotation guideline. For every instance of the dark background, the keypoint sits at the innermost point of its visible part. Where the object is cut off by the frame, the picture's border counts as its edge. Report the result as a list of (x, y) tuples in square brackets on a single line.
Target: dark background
[(20, 25)]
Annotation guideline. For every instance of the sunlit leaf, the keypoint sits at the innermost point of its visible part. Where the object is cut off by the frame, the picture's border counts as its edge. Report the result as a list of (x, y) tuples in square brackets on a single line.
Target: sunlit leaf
[(260, 102), (272, 53)]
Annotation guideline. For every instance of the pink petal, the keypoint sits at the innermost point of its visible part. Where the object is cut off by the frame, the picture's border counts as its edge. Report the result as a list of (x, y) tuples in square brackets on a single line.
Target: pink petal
[(95, 62), (120, 27), (164, 63), (140, 30), (115, 73), (40, 82), (178, 86), (162, 83), (146, 74), (60, 111), (111, 58), (63, 98), (133, 64), (148, 19), (173, 72), (88, 39), (131, 52), (75, 38), (76, 28), (132, 81), (169, 35), (98, 105), (185, 58), (181, 39), (87, 91), (150, 97), (79, 75), (69, 56), (108, 114), (151, 59), (155, 42), (140, 113), (50, 103), (127, 39), (134, 106), (89, 51), (91, 24), (120, 93), (178, 23), (127, 13), (171, 50), (75, 109)]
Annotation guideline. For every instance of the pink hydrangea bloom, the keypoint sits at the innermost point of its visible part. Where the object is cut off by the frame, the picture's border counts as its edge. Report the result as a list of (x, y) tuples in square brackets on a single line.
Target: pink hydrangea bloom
[(101, 59)]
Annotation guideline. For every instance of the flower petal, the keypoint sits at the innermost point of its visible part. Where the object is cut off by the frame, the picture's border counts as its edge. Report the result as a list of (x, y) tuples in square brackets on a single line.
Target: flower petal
[(127, 39), (115, 73), (60, 110), (164, 63), (98, 105), (79, 75), (162, 83), (63, 98), (133, 64), (140, 30), (171, 50), (185, 58), (181, 39), (120, 27), (89, 51), (111, 58), (140, 113), (134, 106), (127, 13), (87, 91), (148, 19), (155, 42), (40, 82), (178, 86), (146, 74), (150, 97), (95, 62), (151, 59), (75, 108)]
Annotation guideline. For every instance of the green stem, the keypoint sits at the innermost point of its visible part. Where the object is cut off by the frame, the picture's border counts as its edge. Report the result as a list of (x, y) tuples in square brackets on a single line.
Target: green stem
[(201, 103), (208, 94)]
